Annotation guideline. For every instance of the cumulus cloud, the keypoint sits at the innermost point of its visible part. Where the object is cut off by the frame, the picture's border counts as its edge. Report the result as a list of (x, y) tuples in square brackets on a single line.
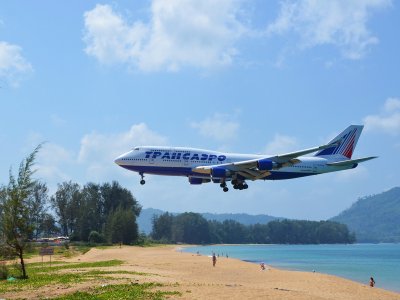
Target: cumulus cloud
[(52, 159), (179, 33), (281, 144), (388, 120), (98, 151), (219, 127), (12, 64), (339, 23)]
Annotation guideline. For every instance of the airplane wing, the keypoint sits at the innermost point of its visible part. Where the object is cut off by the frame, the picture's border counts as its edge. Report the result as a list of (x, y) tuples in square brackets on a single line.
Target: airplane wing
[(249, 170), (350, 161)]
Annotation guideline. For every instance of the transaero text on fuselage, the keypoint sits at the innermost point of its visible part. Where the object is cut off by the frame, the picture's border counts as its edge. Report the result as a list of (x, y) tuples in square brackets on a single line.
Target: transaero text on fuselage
[(186, 155)]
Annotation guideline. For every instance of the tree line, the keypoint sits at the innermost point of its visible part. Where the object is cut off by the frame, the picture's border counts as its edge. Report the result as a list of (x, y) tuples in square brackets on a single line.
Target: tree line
[(193, 228), (95, 212)]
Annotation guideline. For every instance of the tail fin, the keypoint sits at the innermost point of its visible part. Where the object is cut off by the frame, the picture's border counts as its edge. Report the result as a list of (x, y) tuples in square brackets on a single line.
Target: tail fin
[(344, 143)]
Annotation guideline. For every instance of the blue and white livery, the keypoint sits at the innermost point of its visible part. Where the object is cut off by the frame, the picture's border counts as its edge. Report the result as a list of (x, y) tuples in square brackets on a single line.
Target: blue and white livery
[(202, 166)]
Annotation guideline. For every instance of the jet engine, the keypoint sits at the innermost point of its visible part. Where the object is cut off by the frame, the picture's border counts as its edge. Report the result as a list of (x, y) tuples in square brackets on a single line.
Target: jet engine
[(265, 164), (218, 172)]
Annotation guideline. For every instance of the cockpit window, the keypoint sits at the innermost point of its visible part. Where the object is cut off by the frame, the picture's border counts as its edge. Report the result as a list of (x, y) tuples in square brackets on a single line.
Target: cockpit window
[(136, 148)]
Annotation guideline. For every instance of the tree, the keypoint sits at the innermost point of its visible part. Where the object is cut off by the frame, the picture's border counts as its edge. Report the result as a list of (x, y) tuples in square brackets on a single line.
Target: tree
[(37, 206), (122, 227), (66, 204), (190, 228), (48, 225), (162, 227), (15, 214)]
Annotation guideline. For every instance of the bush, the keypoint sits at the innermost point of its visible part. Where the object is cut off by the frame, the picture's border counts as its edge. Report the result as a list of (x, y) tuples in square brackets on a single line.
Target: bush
[(95, 237), (3, 271)]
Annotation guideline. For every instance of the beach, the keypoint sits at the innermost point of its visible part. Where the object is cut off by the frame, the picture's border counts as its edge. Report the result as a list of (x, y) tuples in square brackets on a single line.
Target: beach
[(195, 278)]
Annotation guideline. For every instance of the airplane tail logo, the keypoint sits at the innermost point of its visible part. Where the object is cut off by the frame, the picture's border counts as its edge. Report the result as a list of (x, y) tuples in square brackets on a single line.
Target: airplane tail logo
[(344, 143)]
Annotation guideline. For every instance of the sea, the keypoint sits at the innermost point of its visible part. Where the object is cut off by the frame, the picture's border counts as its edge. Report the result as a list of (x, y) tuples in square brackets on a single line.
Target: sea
[(356, 262)]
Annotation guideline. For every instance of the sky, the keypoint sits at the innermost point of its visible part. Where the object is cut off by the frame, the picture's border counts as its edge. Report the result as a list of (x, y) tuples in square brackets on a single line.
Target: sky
[(94, 79)]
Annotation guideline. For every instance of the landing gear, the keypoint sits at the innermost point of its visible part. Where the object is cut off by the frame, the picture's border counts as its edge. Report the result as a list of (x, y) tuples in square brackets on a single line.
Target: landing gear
[(239, 185), (142, 181), (223, 186)]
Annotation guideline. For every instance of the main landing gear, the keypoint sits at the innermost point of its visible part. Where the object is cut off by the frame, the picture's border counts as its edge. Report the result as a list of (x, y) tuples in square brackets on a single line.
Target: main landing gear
[(239, 184), (142, 181)]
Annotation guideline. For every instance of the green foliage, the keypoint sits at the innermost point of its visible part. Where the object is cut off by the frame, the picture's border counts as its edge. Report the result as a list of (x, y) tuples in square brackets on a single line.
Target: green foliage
[(96, 238), (15, 202), (3, 271), (107, 209), (192, 228), (189, 228), (374, 218), (121, 227)]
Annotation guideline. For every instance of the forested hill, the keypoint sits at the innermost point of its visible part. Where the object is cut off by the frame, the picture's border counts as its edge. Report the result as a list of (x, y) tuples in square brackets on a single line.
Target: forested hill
[(374, 218), (145, 225)]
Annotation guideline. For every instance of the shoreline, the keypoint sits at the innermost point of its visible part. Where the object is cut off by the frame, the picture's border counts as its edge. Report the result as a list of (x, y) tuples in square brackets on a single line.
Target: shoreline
[(387, 287), (194, 277)]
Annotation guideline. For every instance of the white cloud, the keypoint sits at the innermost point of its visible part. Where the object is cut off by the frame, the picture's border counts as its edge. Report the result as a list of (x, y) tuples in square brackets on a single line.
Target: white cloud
[(219, 127), (98, 151), (336, 22), (12, 64), (52, 159), (388, 120), (180, 33), (281, 144)]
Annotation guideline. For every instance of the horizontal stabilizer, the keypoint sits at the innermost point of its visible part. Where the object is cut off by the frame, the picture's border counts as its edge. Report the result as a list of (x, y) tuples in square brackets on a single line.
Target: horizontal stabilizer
[(350, 161)]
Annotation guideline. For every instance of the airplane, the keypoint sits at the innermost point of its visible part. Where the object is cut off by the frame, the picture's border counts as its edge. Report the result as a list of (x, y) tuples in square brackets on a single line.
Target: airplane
[(203, 166)]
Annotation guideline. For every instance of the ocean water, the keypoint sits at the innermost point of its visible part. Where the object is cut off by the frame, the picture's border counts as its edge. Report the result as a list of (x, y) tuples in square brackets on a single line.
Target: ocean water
[(357, 262)]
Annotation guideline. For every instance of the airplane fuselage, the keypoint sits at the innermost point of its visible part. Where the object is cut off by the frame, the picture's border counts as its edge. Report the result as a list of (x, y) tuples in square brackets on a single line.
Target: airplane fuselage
[(179, 161)]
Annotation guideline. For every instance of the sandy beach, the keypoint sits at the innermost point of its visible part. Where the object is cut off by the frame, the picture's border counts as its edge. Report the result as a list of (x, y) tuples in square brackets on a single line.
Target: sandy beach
[(195, 277)]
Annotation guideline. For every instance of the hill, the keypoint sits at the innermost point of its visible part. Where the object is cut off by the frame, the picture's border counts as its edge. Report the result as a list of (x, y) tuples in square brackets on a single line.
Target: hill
[(374, 218), (145, 225)]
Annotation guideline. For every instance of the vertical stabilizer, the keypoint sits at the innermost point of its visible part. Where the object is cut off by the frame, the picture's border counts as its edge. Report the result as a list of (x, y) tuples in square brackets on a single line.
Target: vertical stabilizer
[(344, 143)]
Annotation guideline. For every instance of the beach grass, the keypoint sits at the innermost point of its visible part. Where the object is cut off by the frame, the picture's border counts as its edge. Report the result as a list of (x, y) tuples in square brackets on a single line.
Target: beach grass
[(65, 274)]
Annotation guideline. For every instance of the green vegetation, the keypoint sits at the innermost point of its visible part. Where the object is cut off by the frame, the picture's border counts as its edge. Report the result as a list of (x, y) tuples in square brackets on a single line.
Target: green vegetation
[(121, 291), (374, 218), (65, 274), (192, 228), (96, 213), (16, 222)]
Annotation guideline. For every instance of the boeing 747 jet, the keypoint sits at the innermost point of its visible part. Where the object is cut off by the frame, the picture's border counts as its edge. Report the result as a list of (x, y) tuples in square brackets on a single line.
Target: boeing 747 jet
[(203, 166)]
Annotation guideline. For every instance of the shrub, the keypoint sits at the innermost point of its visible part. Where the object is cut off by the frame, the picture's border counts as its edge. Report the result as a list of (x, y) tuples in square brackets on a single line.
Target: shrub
[(3, 271), (95, 237)]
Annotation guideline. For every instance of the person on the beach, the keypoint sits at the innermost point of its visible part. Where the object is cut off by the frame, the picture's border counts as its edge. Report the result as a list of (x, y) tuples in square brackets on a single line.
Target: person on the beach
[(371, 282), (262, 266), (214, 259)]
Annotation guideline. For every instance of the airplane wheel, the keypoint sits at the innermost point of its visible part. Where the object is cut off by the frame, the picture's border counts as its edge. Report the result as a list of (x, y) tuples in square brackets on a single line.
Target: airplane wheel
[(245, 186), (222, 185), (142, 182), (225, 189)]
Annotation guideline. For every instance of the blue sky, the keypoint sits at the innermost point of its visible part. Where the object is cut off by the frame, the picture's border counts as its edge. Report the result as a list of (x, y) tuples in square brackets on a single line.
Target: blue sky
[(94, 79)]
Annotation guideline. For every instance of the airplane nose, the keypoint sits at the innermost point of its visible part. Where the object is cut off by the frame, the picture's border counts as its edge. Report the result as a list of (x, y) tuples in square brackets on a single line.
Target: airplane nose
[(118, 160)]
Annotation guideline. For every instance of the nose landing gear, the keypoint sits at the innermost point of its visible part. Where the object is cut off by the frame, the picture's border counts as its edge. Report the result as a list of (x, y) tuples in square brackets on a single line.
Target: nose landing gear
[(142, 181)]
